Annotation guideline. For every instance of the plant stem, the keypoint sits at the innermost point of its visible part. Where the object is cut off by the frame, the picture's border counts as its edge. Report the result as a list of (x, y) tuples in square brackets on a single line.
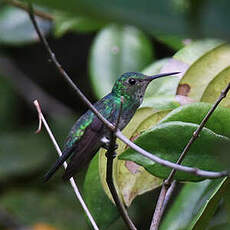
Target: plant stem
[(167, 184), (110, 154), (195, 171), (23, 6), (73, 184)]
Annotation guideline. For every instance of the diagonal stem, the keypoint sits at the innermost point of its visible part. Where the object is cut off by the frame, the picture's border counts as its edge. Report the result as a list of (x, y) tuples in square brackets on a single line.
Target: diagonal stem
[(167, 184), (23, 6), (73, 184), (110, 126)]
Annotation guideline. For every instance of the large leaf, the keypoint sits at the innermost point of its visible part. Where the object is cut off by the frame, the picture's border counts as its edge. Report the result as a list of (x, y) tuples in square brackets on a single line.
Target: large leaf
[(219, 122), (102, 209), (203, 71), (117, 49), (64, 23), (196, 49), (169, 17), (175, 42), (194, 206), (16, 28), (213, 90), (167, 141)]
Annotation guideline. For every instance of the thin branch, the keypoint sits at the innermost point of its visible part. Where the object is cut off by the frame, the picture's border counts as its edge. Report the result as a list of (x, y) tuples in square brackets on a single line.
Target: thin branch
[(158, 210), (110, 154), (163, 199), (198, 172), (195, 171), (168, 195), (73, 184), (195, 135), (23, 6), (167, 183)]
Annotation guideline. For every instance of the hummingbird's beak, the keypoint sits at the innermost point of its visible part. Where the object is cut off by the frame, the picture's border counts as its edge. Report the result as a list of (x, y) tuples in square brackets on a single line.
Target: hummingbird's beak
[(150, 78)]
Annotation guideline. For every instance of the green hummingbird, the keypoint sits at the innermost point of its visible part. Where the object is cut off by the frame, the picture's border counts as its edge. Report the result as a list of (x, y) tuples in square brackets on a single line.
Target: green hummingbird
[(89, 133)]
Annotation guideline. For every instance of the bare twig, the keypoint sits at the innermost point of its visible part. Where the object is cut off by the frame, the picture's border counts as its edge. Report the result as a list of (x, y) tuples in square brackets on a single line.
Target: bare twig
[(168, 195), (164, 197), (23, 6), (73, 184), (110, 154), (166, 186), (198, 130), (195, 171)]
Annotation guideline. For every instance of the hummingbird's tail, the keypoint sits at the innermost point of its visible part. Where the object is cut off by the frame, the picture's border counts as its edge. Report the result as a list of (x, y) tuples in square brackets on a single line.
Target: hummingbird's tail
[(57, 164)]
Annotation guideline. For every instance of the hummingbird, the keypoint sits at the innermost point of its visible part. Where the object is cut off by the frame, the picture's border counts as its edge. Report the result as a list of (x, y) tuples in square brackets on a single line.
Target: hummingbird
[(88, 134)]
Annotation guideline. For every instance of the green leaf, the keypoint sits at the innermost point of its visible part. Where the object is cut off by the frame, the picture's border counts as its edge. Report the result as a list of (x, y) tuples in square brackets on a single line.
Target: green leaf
[(205, 215), (16, 28), (196, 49), (161, 103), (175, 42), (203, 71), (219, 122), (20, 157), (117, 49), (194, 206), (168, 17), (213, 90), (102, 209), (64, 23), (167, 141)]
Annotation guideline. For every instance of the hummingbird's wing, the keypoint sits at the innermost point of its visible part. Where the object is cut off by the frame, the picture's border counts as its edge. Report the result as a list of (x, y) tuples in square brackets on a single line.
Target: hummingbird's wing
[(81, 144), (86, 148), (84, 139)]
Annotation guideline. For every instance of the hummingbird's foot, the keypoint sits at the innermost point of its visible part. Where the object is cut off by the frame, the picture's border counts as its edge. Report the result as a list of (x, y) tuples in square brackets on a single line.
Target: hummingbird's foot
[(105, 143)]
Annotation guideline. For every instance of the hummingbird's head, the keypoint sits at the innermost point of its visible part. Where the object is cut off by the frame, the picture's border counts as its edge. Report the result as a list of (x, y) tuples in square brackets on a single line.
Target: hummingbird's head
[(132, 85)]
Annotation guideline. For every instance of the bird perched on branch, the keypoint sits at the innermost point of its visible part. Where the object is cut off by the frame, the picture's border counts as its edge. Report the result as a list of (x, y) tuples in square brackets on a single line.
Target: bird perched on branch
[(85, 137)]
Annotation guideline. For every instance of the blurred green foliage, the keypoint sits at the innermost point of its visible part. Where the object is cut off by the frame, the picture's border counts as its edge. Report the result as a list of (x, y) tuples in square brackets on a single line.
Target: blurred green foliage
[(107, 38)]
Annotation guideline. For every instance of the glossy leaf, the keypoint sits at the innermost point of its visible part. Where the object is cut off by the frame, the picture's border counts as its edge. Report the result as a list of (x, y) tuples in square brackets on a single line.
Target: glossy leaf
[(196, 49), (202, 72), (213, 90), (102, 209), (117, 49), (64, 23), (167, 141), (194, 206), (162, 17), (219, 122), (205, 216), (16, 28)]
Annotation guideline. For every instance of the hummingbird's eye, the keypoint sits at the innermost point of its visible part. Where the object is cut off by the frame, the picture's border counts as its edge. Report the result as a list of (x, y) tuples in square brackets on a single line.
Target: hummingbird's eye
[(132, 81)]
